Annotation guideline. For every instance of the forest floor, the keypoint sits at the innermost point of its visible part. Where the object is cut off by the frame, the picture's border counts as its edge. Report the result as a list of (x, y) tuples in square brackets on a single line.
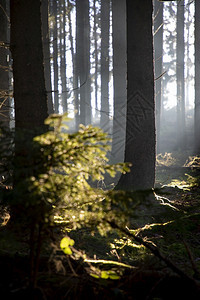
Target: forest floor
[(119, 268)]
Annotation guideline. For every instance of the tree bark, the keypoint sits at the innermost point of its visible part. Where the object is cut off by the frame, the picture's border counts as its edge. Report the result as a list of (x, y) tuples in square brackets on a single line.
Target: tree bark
[(30, 98), (158, 59), (197, 77), (55, 56), (46, 50), (4, 66), (74, 66), (96, 64), (140, 126), (83, 59), (105, 21), (119, 79), (181, 136), (28, 71), (63, 55)]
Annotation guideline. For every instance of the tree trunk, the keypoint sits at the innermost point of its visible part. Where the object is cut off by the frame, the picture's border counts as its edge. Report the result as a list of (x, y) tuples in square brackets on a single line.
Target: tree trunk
[(55, 56), (181, 136), (105, 21), (63, 55), (158, 59), (119, 79), (140, 126), (96, 59), (46, 49), (197, 77), (75, 76), (28, 71), (83, 59), (30, 99), (4, 66)]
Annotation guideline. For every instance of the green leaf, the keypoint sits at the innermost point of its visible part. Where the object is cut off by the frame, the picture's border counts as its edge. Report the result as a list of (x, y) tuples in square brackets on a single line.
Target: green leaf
[(104, 275), (94, 275), (66, 241), (64, 245), (114, 277)]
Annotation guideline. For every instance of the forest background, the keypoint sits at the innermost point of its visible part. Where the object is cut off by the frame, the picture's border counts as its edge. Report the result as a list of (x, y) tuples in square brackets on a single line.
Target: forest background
[(100, 149)]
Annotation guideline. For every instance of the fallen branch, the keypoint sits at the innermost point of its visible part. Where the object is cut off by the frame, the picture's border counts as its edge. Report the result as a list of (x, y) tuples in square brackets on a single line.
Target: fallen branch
[(154, 249)]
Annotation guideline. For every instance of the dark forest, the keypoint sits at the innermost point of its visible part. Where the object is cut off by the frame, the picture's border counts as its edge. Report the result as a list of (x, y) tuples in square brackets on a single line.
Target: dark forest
[(100, 149)]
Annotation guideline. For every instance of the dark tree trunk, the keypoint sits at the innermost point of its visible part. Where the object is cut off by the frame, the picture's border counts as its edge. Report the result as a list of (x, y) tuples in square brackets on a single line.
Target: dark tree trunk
[(140, 126), (75, 76), (55, 56), (46, 50), (87, 47), (188, 59), (83, 59), (119, 78), (96, 58), (4, 66), (105, 21), (28, 70), (197, 77), (63, 55), (158, 59), (180, 76), (30, 98)]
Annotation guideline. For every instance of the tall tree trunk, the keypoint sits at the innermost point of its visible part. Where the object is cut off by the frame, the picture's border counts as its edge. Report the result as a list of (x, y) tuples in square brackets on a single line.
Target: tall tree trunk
[(75, 76), (30, 98), (105, 22), (119, 79), (158, 59), (63, 55), (83, 59), (197, 77), (96, 58), (140, 126), (4, 66), (55, 56), (180, 76), (188, 60), (46, 50), (28, 71), (87, 46), (31, 110)]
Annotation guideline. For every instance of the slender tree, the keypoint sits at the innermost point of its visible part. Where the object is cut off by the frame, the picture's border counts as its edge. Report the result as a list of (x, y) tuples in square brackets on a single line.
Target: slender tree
[(83, 58), (74, 66), (180, 75), (55, 55), (95, 57), (4, 66), (119, 78), (158, 60), (105, 18), (63, 55), (197, 77), (188, 58), (140, 126), (46, 49)]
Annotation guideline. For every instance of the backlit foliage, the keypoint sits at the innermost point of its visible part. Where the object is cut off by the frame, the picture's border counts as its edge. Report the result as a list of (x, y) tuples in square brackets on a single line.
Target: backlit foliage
[(72, 164)]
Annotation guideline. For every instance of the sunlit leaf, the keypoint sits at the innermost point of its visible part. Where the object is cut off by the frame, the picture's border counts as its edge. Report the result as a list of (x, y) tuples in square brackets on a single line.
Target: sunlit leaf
[(104, 275), (94, 275), (64, 245)]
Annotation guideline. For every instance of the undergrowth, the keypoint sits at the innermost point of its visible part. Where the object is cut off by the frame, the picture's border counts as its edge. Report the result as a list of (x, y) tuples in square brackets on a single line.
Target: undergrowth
[(73, 231)]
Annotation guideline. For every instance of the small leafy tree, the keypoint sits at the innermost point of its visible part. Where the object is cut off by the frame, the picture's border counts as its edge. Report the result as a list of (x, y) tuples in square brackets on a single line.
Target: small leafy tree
[(59, 186), (71, 164)]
